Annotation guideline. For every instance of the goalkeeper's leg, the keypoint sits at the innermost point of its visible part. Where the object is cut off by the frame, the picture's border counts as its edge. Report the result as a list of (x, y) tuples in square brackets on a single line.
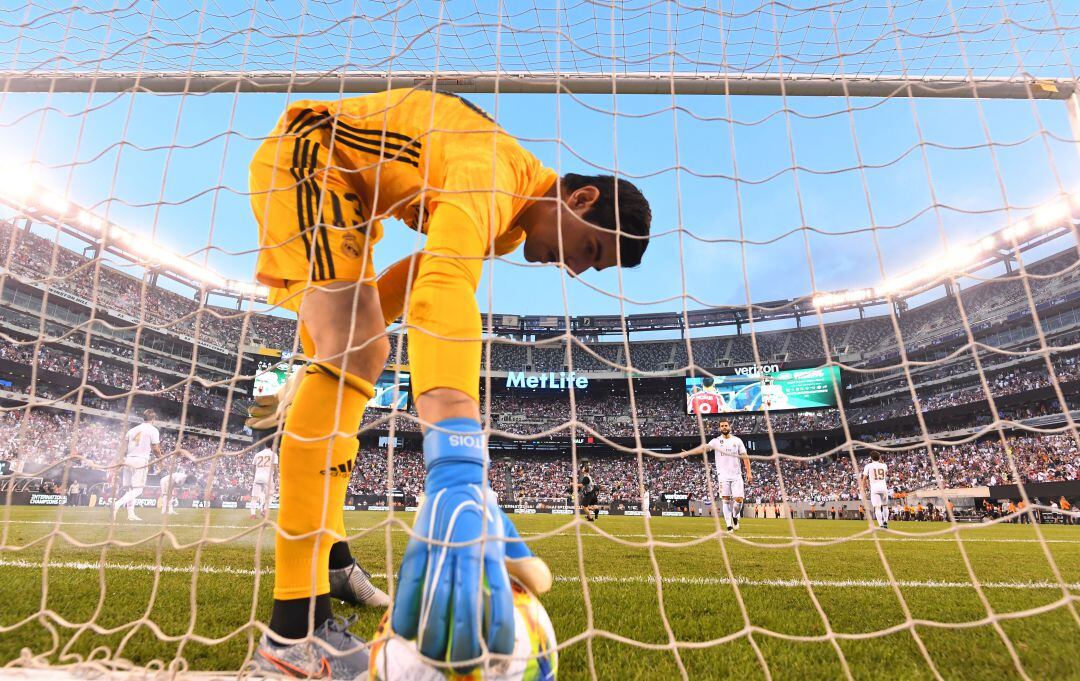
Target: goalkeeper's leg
[(319, 447)]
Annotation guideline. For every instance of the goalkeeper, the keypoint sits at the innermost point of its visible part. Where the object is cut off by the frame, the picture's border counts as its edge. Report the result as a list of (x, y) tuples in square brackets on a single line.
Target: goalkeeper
[(319, 185)]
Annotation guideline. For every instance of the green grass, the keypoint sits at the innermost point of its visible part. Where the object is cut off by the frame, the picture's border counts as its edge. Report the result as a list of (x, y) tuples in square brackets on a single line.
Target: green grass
[(76, 610)]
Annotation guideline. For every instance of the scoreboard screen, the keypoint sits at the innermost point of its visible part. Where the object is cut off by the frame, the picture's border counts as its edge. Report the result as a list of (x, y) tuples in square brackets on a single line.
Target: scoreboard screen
[(388, 394), (786, 390), (391, 395)]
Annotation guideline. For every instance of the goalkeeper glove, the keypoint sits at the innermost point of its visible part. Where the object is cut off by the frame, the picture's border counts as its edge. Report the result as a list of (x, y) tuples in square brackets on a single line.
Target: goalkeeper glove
[(268, 411), (441, 588)]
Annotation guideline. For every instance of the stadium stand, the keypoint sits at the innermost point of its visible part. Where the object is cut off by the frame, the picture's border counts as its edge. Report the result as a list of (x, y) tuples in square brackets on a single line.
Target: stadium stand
[(83, 344)]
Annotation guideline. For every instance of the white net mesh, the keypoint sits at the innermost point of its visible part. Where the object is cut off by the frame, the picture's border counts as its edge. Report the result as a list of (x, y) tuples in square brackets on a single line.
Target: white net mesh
[(897, 201)]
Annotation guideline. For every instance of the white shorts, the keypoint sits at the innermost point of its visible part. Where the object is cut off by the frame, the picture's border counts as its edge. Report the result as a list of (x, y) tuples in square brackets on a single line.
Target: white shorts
[(731, 488), (879, 498), (261, 489), (135, 476)]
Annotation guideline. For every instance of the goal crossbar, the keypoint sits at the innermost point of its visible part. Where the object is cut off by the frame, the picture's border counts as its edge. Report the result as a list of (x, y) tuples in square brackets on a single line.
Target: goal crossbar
[(765, 84)]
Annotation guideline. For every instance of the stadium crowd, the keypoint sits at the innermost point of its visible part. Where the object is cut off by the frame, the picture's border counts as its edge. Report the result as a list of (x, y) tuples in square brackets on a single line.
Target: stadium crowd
[(54, 441)]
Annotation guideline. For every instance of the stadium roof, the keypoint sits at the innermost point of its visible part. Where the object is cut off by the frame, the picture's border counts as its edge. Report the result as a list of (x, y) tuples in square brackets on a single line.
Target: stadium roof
[(1056, 218)]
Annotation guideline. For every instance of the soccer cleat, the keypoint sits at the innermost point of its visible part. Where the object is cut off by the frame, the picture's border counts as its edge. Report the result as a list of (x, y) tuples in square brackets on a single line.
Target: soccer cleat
[(730, 528), (353, 585), (132, 516), (346, 658), (735, 526)]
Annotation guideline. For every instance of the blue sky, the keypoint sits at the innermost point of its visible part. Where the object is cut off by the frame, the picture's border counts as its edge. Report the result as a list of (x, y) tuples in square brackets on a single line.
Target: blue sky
[(731, 202)]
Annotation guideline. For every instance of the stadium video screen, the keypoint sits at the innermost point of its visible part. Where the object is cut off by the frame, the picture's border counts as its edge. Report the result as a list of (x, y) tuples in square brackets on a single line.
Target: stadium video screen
[(389, 396), (271, 377), (790, 389)]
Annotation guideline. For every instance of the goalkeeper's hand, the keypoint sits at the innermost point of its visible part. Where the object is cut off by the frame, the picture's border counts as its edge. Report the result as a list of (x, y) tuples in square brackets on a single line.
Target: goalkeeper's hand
[(521, 563), (442, 589), (268, 411)]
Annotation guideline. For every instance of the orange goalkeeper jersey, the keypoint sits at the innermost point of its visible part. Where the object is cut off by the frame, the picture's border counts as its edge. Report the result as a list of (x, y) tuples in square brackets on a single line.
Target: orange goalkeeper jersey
[(434, 161)]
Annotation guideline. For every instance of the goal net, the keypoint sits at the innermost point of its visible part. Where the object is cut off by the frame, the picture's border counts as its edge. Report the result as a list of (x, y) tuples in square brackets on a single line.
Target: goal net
[(863, 244)]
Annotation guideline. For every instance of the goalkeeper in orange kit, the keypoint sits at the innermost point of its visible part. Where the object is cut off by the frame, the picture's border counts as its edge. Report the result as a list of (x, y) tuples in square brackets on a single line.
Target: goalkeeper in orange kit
[(319, 185)]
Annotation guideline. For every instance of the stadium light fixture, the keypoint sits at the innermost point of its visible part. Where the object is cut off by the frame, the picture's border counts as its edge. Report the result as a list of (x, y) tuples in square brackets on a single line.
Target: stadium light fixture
[(91, 221), (842, 297), (54, 203), (1052, 213), (17, 183)]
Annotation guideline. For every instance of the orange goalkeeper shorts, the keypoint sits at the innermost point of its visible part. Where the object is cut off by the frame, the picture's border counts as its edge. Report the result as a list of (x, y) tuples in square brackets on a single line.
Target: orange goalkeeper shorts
[(314, 227)]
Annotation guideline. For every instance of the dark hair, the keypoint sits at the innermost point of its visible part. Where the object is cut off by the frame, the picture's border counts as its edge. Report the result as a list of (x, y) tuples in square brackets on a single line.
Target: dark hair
[(708, 381), (631, 218), (875, 456), (723, 421)]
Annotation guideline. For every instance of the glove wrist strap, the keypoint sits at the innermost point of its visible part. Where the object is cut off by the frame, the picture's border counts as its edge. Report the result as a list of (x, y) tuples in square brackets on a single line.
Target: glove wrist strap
[(458, 441)]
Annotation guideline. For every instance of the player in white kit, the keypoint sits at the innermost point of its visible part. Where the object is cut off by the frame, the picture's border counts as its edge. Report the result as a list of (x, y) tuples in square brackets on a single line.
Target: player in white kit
[(265, 461), (876, 473), (731, 458), (169, 482), (135, 449)]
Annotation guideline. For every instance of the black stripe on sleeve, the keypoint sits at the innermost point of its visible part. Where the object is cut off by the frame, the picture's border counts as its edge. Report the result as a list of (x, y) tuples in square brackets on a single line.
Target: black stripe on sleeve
[(373, 148)]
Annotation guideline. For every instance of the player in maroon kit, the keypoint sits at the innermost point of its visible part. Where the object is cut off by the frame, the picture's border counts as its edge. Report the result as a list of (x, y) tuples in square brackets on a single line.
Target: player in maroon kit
[(706, 400)]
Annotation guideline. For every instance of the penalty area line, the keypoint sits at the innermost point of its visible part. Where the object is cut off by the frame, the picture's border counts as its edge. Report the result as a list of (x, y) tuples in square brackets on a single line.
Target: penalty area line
[(593, 579)]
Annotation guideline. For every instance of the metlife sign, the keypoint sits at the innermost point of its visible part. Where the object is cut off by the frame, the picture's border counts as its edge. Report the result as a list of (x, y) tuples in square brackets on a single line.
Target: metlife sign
[(561, 380)]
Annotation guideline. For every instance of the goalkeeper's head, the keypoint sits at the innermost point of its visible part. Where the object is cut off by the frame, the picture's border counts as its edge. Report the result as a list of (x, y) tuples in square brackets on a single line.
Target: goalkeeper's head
[(604, 221)]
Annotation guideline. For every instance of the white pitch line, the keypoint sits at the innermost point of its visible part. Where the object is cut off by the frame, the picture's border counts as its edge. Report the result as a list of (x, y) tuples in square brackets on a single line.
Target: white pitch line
[(592, 535), (593, 579)]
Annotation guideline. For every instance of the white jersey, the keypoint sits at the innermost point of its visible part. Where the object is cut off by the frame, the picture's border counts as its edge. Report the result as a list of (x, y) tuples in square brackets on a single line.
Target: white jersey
[(172, 480), (729, 452), (264, 461), (177, 478), (878, 475), (140, 443)]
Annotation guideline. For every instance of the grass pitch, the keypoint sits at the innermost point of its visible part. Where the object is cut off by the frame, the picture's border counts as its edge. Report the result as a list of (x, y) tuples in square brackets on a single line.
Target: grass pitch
[(862, 591)]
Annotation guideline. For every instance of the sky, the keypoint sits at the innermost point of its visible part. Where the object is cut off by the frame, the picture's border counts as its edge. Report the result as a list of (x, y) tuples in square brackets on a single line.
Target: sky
[(754, 198)]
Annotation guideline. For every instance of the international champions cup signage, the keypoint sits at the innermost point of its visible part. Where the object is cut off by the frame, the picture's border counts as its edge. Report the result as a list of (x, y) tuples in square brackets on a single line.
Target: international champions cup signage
[(551, 380)]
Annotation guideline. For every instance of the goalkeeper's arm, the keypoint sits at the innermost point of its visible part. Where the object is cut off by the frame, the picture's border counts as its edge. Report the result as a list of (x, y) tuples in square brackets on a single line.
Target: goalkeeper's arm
[(444, 354)]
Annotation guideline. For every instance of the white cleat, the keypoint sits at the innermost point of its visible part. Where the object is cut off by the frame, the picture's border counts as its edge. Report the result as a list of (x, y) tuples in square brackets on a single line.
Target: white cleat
[(353, 585), (132, 516)]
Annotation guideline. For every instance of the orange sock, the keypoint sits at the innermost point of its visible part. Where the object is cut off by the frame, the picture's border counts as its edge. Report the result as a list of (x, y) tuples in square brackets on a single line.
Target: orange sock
[(318, 449)]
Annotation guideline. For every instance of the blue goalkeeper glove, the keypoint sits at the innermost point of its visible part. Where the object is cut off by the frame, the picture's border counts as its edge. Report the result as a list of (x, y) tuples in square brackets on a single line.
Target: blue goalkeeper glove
[(440, 599)]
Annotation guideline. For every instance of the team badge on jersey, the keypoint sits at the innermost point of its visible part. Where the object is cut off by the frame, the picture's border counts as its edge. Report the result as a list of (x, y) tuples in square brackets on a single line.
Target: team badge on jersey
[(350, 246)]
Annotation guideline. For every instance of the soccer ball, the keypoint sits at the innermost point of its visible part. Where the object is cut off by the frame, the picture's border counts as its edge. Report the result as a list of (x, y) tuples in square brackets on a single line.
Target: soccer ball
[(534, 659)]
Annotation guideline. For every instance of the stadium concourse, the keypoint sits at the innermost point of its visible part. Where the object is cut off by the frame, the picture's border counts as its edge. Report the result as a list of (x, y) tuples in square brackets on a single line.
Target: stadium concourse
[(112, 345)]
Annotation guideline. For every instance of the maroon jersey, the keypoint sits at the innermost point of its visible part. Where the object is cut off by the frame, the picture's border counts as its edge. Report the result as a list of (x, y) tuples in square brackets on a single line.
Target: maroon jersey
[(706, 403)]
